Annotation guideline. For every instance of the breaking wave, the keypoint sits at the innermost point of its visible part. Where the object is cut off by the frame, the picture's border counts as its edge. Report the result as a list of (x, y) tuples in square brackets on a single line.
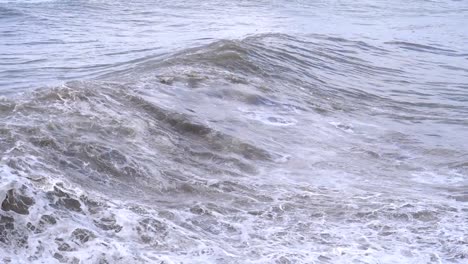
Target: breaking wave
[(269, 149)]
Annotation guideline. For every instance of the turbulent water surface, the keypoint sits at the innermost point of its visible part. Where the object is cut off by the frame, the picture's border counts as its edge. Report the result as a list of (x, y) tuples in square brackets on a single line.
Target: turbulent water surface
[(233, 132)]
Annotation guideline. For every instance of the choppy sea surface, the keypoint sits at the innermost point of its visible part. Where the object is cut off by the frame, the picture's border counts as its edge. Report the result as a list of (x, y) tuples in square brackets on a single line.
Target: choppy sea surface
[(233, 131)]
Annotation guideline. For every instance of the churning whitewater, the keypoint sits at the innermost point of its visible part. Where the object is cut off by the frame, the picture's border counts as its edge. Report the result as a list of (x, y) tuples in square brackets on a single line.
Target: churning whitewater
[(239, 151), (298, 146)]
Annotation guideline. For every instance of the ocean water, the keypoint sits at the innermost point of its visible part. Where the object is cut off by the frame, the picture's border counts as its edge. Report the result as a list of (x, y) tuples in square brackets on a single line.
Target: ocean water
[(233, 131)]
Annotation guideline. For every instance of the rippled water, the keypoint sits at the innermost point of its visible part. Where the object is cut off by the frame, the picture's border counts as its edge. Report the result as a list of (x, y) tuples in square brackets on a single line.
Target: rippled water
[(238, 132), (46, 42)]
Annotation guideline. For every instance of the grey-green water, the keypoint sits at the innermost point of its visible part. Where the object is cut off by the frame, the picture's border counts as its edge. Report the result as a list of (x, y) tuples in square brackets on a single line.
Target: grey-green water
[(238, 132)]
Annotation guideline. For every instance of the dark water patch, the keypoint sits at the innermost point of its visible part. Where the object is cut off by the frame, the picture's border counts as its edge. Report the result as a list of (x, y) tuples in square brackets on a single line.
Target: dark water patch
[(62, 199), (9, 13), (455, 68), (423, 48), (16, 202), (213, 139)]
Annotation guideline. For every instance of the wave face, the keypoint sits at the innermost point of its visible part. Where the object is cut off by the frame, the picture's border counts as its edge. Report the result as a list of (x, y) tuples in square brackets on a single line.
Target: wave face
[(270, 149)]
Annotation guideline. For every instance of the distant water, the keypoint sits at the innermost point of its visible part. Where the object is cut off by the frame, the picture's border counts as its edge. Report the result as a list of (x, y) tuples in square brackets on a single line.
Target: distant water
[(233, 131)]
